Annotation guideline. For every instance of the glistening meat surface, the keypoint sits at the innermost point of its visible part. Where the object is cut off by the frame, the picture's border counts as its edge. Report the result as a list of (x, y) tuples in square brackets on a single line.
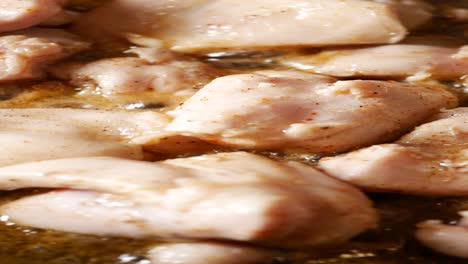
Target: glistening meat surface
[(287, 204), (154, 70), (287, 110), (41, 134), (25, 54), (388, 61), (208, 253), (444, 238), (20, 14), (431, 160), (204, 24)]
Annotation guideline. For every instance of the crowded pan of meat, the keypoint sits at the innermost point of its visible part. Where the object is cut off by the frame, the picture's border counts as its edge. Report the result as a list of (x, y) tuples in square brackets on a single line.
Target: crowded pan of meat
[(233, 132)]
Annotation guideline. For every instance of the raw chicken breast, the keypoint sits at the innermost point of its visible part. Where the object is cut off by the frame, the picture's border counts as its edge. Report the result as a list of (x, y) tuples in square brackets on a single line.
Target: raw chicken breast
[(450, 127), (132, 128), (20, 14), (431, 160), (207, 24), (26, 146), (154, 70), (25, 54), (96, 124), (447, 239), (208, 253), (235, 196), (390, 61), (40, 134), (281, 110)]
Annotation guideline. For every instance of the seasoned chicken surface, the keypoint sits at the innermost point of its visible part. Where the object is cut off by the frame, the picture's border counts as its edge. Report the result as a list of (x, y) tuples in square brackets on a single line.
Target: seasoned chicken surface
[(450, 127), (431, 160), (20, 14), (26, 146), (388, 61), (41, 134), (153, 70), (281, 110), (362, 92), (25, 54), (287, 204), (202, 24), (208, 253), (447, 239), (98, 124)]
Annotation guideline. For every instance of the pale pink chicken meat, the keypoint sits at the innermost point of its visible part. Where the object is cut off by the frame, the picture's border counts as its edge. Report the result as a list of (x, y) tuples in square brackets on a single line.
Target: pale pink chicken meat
[(154, 70), (20, 14), (26, 146), (431, 160), (26, 54), (208, 253), (389, 61), (287, 204), (286, 110), (41, 134), (446, 239), (207, 24)]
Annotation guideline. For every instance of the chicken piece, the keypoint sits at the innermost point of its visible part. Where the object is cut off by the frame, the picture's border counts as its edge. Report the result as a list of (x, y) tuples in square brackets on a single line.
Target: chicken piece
[(447, 239), (40, 134), (133, 129), (209, 24), (287, 204), (208, 253), (95, 124), (164, 73), (412, 13), (462, 54), (457, 14), (450, 127), (281, 110), (407, 169), (431, 160), (390, 61), (27, 146), (20, 14), (25, 54)]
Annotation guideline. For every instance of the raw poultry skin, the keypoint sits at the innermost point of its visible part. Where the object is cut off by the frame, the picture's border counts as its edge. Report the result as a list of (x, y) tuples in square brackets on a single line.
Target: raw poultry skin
[(294, 111), (287, 204)]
